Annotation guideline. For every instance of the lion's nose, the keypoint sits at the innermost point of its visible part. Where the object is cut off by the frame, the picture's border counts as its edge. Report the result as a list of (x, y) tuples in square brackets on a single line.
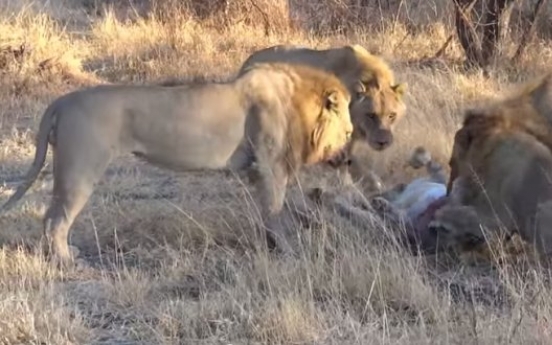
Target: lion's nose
[(383, 141)]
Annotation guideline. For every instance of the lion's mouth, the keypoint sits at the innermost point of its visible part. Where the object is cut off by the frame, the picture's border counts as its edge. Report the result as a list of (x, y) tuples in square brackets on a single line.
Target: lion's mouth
[(335, 157)]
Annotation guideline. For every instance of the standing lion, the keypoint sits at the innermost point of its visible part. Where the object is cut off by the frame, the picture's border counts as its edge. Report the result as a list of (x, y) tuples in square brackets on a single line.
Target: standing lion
[(377, 101), (279, 115)]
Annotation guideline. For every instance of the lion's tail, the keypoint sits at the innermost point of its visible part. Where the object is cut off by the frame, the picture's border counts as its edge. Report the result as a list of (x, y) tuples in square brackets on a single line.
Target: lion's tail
[(44, 129)]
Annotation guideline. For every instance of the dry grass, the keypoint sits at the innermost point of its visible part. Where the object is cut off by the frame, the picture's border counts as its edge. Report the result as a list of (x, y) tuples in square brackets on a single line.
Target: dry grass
[(174, 258)]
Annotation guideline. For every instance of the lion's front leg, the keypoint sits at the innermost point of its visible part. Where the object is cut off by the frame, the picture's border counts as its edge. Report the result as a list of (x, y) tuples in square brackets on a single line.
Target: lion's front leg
[(272, 191)]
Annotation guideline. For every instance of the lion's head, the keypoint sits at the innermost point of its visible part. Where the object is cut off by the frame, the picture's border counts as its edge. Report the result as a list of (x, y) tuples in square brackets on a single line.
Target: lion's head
[(481, 124), (332, 129), (377, 100), (482, 131), (528, 110), (375, 109)]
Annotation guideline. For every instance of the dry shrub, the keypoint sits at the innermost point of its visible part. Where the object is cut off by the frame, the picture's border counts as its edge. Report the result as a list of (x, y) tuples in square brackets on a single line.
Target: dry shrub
[(149, 48), (347, 16), (35, 49), (34, 312), (287, 320), (269, 15)]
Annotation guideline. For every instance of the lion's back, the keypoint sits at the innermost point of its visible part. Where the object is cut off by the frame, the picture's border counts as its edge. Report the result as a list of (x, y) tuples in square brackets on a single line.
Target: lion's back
[(346, 60), (282, 53)]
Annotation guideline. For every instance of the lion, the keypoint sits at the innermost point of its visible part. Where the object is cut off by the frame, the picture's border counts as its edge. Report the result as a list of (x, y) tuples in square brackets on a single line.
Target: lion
[(377, 103), (534, 101), (500, 176), (275, 114)]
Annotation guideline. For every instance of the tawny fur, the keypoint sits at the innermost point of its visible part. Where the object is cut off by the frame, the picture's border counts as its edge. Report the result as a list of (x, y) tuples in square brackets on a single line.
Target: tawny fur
[(278, 115), (529, 109), (377, 100), (501, 169)]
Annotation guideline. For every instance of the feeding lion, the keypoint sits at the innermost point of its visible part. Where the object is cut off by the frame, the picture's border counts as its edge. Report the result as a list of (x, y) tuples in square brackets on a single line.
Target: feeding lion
[(501, 170), (377, 100), (278, 115)]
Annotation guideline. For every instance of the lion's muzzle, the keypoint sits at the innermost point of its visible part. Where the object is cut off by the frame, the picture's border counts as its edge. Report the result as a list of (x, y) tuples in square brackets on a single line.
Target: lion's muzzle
[(381, 139)]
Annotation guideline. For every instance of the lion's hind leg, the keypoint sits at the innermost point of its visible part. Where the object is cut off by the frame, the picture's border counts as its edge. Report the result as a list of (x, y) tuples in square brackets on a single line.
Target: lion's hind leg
[(75, 176)]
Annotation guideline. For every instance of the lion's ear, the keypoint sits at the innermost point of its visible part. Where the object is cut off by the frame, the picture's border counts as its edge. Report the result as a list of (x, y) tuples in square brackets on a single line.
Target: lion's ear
[(400, 89), (475, 120), (332, 99), (474, 123)]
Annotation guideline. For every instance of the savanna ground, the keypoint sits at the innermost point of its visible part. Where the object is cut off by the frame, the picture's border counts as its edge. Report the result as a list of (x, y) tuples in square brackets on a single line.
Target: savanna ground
[(174, 258)]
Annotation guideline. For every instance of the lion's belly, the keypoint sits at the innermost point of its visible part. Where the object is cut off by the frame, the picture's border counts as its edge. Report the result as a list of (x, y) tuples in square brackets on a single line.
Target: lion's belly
[(187, 148), (182, 139)]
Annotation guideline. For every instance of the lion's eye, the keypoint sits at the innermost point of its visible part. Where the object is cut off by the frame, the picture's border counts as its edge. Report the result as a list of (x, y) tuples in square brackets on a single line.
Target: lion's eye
[(392, 116)]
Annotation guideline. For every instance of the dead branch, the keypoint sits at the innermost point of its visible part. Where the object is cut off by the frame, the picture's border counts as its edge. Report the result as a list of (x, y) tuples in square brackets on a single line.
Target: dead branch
[(266, 20), (491, 29), (467, 35), (529, 31), (442, 50)]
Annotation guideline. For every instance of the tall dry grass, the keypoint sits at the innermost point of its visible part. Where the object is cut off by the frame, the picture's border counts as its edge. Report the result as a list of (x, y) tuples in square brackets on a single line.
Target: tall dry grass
[(174, 258)]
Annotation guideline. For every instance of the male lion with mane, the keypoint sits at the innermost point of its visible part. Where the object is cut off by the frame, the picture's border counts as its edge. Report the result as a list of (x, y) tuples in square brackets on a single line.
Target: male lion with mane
[(501, 170), (377, 101), (279, 115)]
